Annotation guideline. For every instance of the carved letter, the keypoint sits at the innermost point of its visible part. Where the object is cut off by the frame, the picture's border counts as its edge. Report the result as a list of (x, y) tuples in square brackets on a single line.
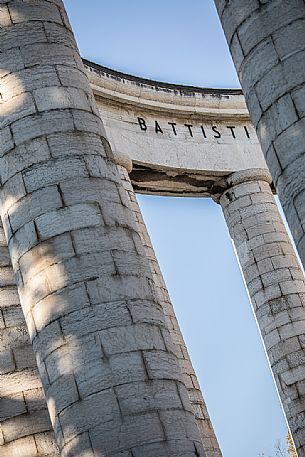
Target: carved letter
[(218, 134), (203, 131), (247, 132), (230, 127), (158, 128), (189, 126), (173, 126), (142, 124)]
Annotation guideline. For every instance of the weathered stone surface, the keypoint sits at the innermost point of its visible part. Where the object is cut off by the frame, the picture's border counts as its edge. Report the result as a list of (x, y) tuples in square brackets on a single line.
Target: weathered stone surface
[(276, 285), (66, 190), (172, 337), (270, 67)]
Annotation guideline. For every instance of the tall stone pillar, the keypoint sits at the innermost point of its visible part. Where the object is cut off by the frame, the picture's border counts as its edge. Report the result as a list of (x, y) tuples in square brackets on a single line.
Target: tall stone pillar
[(204, 424), (112, 381), (25, 427), (276, 286), (267, 43)]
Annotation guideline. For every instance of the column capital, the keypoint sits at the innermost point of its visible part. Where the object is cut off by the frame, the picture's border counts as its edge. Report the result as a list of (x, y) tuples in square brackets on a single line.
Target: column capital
[(240, 177), (252, 174), (123, 159)]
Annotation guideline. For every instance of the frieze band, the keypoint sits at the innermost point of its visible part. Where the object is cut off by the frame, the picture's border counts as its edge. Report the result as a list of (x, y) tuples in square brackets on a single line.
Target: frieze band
[(190, 129)]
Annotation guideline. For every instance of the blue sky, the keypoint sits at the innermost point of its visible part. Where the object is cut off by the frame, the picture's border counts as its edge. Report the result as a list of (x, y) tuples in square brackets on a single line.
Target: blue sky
[(182, 42)]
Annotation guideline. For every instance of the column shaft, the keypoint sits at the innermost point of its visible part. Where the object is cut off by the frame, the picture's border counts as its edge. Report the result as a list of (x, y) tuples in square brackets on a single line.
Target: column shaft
[(267, 43), (201, 414), (25, 427), (112, 381), (276, 285)]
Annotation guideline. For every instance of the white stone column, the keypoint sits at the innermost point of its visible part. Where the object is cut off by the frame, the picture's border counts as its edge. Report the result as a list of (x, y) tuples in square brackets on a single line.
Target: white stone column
[(25, 427), (112, 381), (276, 285), (267, 43), (204, 424)]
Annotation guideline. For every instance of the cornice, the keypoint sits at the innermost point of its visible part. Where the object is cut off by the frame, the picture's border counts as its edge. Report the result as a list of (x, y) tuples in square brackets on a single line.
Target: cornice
[(153, 96)]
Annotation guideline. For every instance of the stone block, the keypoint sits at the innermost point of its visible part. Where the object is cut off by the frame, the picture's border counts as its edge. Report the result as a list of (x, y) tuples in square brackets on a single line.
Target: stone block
[(64, 392), (88, 122), (88, 267), (72, 77), (235, 14), (32, 78), (141, 430), (40, 124), (5, 18), (162, 365), (178, 424), (92, 190), (21, 35), (46, 444), (34, 399), (45, 54), (292, 329), (18, 107), (53, 172), (101, 239), (128, 262), (24, 239), (163, 448), (6, 141), (6, 277), (24, 357), (74, 143), (24, 447), (59, 97), (13, 316), (33, 12), (33, 205), (290, 39), (270, 87), (12, 406), (80, 445), (252, 70), (67, 219), (260, 24), (26, 424), (55, 250), (89, 413), (24, 157), (8, 297), (237, 52), (61, 362), (13, 337), (11, 61), (140, 397), (48, 339), (7, 363), (116, 288), (131, 338), (59, 304), (147, 312)]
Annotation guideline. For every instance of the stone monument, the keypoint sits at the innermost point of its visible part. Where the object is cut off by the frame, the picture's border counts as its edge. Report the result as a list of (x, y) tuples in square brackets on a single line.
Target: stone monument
[(92, 359)]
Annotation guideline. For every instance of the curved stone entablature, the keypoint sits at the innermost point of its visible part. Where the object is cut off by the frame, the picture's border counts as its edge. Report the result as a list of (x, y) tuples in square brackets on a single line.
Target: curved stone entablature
[(182, 140)]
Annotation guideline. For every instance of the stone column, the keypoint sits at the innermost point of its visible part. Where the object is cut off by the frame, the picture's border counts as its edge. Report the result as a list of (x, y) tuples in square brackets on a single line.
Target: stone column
[(276, 286), (25, 427), (112, 382), (267, 43), (204, 424)]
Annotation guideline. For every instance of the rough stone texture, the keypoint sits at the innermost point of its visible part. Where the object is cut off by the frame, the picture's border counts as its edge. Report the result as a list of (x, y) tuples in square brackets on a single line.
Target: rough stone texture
[(276, 285), (267, 42), (25, 427), (203, 420), (83, 294)]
